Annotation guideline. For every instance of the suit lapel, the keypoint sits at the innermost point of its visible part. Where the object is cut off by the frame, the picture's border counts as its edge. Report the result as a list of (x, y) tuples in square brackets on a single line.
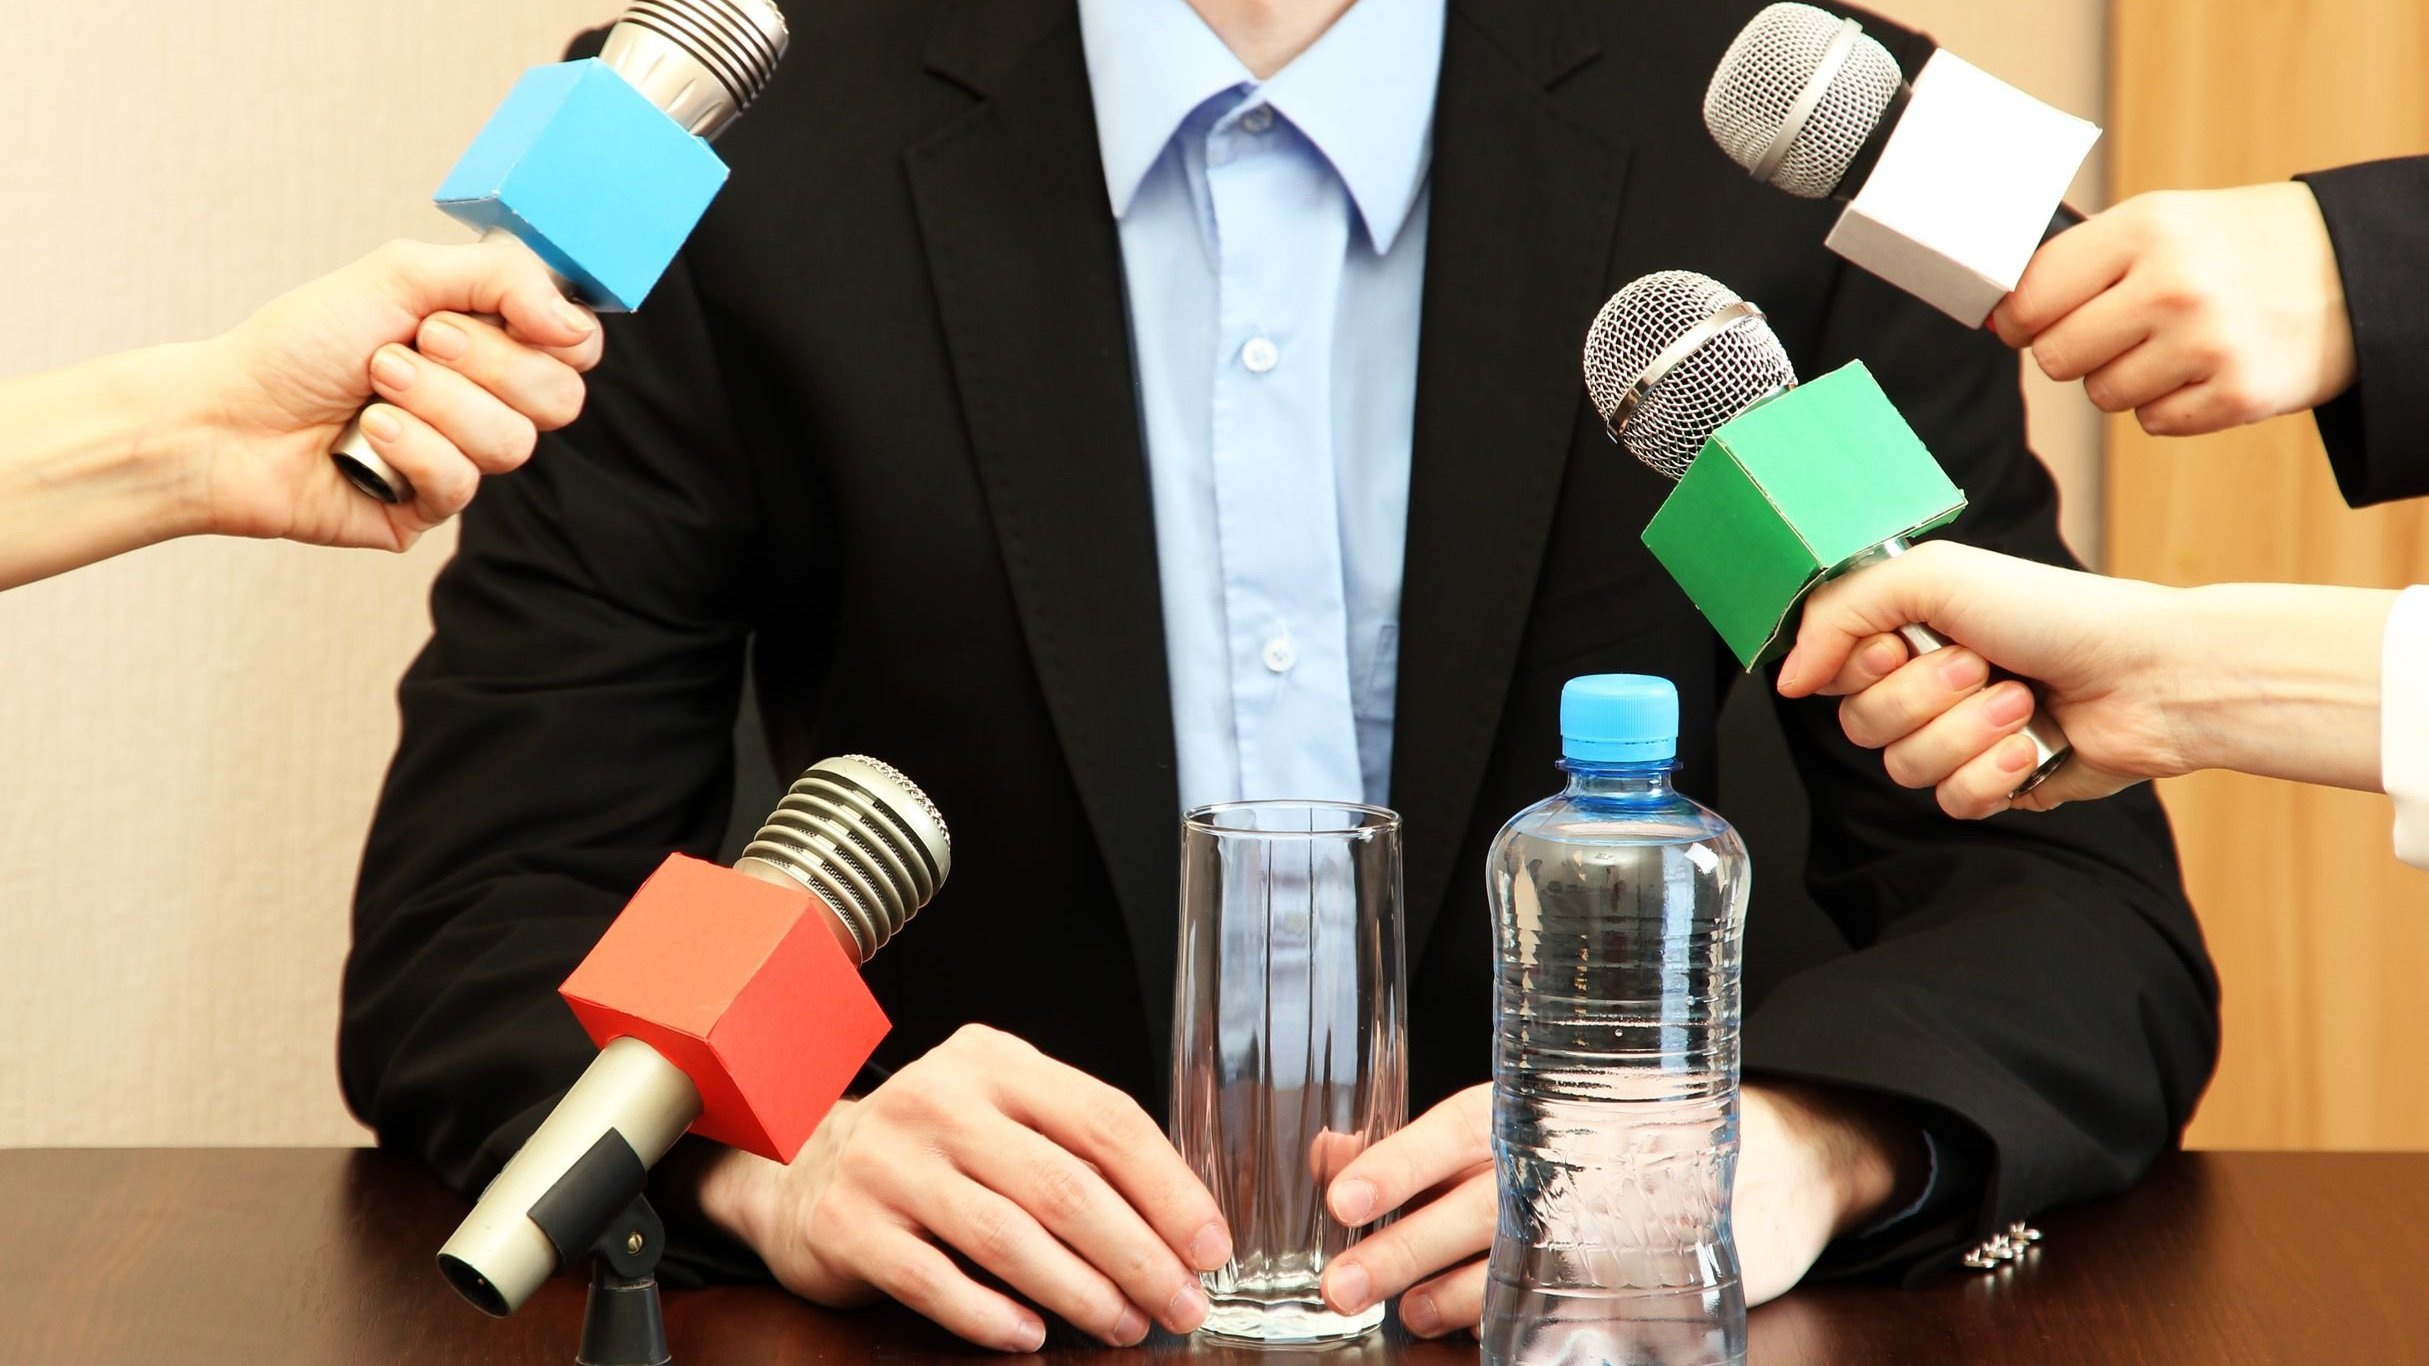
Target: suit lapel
[(1026, 262), (1524, 206)]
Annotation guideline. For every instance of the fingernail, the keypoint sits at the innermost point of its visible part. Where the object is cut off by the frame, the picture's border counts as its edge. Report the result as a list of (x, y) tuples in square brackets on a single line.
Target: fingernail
[(1881, 656), (1027, 1335), (1129, 1328), (1788, 670), (382, 424), (1187, 1308), (1420, 1314), (2010, 703), (444, 340), (1966, 670), (578, 319), (1353, 1202), (391, 368), (2017, 754), (1349, 1284), (1210, 1249)]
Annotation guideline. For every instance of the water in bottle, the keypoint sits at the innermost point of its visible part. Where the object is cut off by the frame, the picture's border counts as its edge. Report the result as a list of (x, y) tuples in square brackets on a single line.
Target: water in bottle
[(1619, 909)]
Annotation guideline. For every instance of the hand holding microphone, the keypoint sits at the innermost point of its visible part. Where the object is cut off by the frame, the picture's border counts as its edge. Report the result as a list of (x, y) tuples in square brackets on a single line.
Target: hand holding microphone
[(602, 167), (469, 351), (2197, 311), (2150, 681), (1780, 486), (228, 436)]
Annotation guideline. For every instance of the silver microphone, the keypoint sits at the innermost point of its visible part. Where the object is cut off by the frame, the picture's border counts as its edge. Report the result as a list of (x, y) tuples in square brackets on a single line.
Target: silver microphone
[(1798, 95), (703, 62), (1675, 356), (1804, 101), (873, 849)]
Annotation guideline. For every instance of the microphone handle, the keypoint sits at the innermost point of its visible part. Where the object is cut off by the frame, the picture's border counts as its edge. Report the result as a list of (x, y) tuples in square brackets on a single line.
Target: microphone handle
[(2051, 748), (498, 1256), (362, 465)]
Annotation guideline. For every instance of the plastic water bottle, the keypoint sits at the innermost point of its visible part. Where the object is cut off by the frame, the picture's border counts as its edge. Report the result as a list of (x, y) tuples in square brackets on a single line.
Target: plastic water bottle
[(1619, 908)]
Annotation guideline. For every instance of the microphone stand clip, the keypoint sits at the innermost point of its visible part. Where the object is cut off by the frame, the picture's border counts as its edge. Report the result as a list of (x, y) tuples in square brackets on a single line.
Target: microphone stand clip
[(597, 1210)]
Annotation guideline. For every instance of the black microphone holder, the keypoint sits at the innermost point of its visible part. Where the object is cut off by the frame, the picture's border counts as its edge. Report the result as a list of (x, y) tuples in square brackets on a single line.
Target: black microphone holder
[(596, 1209)]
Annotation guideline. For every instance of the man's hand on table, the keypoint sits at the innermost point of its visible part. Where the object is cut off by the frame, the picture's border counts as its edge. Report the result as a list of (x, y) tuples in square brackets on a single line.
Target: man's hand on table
[(1812, 1164), (1047, 1178)]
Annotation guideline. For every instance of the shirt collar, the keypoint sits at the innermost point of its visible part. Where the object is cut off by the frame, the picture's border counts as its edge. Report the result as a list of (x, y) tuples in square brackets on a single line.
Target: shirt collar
[(1363, 94)]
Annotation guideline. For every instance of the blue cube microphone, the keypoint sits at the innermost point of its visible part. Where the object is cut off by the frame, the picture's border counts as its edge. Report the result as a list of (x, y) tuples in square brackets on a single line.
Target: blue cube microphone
[(602, 166)]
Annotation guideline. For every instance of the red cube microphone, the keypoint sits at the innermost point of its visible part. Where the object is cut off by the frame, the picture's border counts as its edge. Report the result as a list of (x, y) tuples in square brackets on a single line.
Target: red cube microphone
[(727, 1002)]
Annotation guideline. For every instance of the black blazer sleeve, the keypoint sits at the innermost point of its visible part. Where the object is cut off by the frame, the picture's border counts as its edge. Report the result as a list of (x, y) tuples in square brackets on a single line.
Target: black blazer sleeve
[(569, 723), (2377, 432), (2035, 987)]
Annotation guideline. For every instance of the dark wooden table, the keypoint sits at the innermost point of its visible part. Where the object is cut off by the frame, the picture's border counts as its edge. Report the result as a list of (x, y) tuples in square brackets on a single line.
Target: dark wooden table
[(202, 1257)]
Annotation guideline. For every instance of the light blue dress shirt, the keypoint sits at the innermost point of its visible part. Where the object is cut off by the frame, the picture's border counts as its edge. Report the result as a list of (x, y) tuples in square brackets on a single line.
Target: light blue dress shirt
[(1273, 244)]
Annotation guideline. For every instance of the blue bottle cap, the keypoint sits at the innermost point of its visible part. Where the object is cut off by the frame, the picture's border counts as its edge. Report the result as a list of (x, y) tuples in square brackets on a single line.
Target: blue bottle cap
[(1619, 719)]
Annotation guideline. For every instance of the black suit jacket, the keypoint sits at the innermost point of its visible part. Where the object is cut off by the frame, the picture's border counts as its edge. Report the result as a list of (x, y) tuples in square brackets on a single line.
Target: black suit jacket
[(881, 422), (2378, 221)]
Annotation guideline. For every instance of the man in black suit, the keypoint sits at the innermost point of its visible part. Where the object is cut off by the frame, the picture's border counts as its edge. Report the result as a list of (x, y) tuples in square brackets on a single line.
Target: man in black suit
[(884, 424)]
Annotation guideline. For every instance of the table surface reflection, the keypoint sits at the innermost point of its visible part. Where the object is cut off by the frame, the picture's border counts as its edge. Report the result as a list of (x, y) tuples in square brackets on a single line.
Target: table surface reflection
[(209, 1256)]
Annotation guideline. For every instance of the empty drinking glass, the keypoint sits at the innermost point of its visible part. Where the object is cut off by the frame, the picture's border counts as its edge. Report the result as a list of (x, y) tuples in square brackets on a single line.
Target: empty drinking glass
[(1289, 1052)]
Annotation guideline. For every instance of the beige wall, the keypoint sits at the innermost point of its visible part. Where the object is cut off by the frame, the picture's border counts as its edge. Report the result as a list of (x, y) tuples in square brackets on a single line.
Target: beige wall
[(192, 736)]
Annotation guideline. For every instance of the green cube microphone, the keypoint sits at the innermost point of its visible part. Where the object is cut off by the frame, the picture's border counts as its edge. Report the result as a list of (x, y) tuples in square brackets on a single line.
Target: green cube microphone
[(1780, 485)]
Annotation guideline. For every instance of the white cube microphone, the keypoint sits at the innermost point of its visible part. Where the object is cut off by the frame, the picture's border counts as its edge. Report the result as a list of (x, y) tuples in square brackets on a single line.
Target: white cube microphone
[(1951, 182)]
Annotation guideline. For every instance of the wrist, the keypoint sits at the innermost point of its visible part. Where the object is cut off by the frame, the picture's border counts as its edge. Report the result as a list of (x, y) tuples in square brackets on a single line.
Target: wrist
[(2336, 358), (725, 1187), (175, 389), (2161, 665), (152, 460), (1864, 1150), (740, 1194)]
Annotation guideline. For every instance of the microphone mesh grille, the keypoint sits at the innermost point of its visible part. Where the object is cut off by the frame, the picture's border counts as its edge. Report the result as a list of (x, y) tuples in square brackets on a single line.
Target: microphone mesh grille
[(865, 838), (1762, 74), (1725, 376), (738, 41)]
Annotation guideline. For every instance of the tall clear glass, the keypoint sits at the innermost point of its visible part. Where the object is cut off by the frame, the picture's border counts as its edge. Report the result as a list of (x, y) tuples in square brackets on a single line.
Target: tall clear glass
[(1289, 1042)]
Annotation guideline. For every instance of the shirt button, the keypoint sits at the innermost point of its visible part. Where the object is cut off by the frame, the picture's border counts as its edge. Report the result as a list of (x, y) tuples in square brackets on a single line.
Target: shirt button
[(1259, 119), (1260, 355), (1280, 654)]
